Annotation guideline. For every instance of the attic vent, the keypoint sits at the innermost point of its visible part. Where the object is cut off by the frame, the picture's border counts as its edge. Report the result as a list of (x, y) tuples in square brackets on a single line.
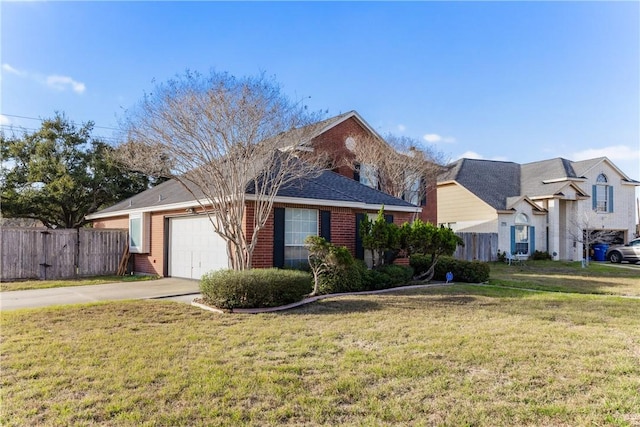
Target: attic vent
[(159, 197)]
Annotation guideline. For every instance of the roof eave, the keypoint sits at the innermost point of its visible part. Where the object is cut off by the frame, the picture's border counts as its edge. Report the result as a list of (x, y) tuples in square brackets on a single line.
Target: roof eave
[(284, 200)]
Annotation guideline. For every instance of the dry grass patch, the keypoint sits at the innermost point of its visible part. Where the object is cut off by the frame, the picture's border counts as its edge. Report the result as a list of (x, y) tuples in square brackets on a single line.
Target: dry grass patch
[(460, 355)]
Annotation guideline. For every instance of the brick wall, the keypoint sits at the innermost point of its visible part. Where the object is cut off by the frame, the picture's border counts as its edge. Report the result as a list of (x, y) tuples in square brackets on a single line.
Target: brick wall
[(332, 142)]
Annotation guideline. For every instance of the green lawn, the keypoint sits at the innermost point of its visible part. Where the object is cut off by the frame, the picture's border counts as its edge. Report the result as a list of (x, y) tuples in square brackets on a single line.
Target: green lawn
[(450, 356), (43, 284)]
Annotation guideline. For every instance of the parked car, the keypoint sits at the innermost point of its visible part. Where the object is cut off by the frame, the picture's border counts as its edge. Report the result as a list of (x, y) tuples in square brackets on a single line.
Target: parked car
[(629, 252)]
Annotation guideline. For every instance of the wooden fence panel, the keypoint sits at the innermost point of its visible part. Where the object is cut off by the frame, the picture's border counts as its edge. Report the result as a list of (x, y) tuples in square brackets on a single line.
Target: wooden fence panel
[(478, 247), (59, 254), (20, 256), (32, 253), (102, 251)]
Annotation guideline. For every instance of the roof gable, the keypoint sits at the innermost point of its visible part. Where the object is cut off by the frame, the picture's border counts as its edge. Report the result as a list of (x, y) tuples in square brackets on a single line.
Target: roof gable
[(317, 129), (491, 181)]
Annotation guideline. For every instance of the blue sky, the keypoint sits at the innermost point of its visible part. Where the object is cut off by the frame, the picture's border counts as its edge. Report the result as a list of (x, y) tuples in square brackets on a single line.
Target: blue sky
[(496, 80)]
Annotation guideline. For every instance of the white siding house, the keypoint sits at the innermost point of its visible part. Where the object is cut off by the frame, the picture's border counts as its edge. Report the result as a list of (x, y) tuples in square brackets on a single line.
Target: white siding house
[(545, 206)]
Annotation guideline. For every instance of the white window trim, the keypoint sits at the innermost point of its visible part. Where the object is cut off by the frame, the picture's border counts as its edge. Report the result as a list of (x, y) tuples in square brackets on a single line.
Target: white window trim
[(144, 238), (300, 245)]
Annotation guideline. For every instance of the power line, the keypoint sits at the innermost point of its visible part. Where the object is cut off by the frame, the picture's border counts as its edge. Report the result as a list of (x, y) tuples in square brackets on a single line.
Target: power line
[(42, 120), (13, 128)]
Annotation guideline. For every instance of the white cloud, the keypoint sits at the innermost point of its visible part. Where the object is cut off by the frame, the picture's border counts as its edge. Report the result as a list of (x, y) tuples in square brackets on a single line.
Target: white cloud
[(470, 155), (4, 120), (614, 153), (434, 138), (9, 69), (53, 81), (401, 128), (478, 156), (65, 82)]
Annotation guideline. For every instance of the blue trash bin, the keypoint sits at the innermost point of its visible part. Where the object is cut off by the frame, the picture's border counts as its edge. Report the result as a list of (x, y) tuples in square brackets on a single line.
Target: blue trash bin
[(600, 252)]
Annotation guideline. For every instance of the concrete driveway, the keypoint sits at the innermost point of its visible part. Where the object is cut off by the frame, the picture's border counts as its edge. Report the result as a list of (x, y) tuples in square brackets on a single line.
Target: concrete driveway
[(162, 288)]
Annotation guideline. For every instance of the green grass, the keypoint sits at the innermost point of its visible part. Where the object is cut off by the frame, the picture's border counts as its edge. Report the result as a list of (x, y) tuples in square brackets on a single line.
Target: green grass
[(561, 276), (450, 356), (43, 284)]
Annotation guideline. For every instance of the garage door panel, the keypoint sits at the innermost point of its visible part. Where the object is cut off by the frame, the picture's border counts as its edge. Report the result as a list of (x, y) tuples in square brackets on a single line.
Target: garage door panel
[(195, 248)]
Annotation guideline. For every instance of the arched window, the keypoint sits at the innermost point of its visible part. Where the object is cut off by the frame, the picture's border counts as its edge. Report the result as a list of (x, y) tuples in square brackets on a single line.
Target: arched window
[(522, 235), (602, 195)]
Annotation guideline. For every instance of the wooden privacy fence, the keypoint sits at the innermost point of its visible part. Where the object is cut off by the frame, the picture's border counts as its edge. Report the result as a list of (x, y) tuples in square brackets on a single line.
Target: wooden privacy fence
[(37, 253), (478, 247)]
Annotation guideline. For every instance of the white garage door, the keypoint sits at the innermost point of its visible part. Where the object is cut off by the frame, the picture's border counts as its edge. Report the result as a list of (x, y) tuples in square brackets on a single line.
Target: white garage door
[(194, 248)]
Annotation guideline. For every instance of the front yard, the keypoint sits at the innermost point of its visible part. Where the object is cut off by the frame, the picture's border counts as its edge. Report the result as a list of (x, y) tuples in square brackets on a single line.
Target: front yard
[(458, 355)]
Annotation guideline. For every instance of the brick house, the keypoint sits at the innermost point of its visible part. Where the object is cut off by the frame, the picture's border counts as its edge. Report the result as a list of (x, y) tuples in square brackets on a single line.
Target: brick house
[(170, 235)]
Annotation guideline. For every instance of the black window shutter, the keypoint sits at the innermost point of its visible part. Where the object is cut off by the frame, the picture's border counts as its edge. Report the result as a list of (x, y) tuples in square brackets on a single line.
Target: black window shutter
[(359, 247), (423, 192), (325, 225), (356, 172), (278, 237)]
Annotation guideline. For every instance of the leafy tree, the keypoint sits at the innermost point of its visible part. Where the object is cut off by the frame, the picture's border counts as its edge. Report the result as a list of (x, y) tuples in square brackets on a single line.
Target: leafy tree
[(380, 237), (61, 173), (231, 142), (424, 238)]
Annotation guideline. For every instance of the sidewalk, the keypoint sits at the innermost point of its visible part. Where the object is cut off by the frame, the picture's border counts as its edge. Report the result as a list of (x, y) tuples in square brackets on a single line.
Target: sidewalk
[(161, 288)]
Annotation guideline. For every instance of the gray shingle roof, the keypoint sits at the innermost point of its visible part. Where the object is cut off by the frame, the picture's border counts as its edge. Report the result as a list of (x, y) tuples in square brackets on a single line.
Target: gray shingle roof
[(491, 181), (327, 185), (335, 187), (533, 175)]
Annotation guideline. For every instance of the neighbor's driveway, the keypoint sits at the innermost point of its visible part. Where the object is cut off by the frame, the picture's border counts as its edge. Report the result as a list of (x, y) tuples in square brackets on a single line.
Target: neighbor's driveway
[(161, 288)]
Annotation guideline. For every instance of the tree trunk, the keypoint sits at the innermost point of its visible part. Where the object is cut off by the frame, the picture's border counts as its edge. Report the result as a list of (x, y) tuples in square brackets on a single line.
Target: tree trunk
[(427, 275)]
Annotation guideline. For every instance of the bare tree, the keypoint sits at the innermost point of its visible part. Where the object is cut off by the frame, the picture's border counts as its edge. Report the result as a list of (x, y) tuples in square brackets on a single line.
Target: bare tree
[(399, 166), (231, 142), (584, 230)]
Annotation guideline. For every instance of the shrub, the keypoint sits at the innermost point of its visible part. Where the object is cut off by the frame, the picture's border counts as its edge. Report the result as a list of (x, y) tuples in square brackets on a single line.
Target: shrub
[(541, 256), (254, 288), (346, 279), (420, 263), (397, 274), (463, 271)]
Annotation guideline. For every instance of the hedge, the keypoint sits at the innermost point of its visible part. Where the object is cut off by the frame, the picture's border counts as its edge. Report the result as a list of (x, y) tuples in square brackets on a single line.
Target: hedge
[(254, 288), (463, 271)]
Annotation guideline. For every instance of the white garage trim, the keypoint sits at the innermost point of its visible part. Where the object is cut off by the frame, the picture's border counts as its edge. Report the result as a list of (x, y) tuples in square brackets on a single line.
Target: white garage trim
[(194, 247)]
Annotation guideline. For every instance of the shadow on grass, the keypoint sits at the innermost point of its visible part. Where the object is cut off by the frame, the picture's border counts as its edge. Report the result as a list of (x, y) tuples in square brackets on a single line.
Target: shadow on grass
[(405, 299), (336, 305)]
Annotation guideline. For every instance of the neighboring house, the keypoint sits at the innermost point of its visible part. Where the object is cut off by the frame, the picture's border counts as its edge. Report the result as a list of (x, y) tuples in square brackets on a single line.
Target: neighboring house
[(545, 205), (169, 235)]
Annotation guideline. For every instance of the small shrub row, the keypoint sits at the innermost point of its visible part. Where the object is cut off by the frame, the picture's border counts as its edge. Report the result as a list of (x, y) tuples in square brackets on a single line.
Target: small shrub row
[(541, 256), (357, 277), (463, 271), (254, 288), (385, 276)]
